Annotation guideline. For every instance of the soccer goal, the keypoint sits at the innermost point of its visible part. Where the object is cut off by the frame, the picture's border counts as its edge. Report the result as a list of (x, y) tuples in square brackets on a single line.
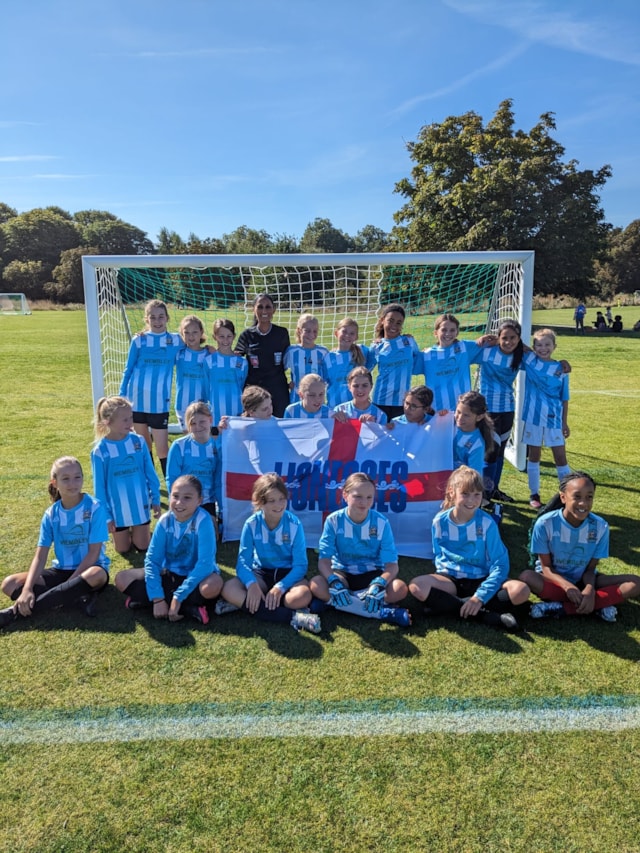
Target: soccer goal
[(480, 288), (14, 304)]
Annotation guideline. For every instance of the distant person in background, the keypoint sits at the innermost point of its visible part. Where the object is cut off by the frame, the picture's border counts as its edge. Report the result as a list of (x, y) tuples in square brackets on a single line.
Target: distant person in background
[(616, 326), (636, 326), (600, 324), (578, 316), (609, 315)]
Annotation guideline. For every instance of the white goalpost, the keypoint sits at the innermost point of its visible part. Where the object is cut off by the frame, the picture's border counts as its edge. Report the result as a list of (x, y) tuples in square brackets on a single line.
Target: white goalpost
[(481, 288), (14, 304)]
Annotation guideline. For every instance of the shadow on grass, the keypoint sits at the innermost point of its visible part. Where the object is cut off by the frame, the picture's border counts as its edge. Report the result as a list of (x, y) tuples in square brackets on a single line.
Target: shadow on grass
[(388, 639), (611, 639)]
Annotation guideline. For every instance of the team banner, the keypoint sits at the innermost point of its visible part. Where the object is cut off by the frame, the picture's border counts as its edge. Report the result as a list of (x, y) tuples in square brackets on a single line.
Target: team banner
[(409, 464)]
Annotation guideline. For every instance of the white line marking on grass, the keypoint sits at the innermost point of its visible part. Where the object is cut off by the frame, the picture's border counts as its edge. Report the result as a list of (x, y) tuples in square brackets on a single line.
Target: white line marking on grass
[(175, 727), (625, 392)]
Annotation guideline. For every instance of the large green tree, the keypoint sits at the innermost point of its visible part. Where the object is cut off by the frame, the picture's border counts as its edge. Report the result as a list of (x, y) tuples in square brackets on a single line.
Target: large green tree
[(491, 187), (39, 235), (111, 235), (322, 236), (619, 272)]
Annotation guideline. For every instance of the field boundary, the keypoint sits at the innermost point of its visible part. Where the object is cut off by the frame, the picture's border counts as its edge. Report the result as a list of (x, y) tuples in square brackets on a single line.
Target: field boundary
[(321, 720)]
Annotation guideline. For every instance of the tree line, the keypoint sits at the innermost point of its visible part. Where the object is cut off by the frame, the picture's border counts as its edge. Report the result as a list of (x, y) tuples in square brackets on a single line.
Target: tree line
[(473, 186)]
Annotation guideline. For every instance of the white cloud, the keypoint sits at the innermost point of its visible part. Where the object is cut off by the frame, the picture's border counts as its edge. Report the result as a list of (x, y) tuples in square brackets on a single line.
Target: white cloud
[(605, 36), (26, 158), (463, 81)]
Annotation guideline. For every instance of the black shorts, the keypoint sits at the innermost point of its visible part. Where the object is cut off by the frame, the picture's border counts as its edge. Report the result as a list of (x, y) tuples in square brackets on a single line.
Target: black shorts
[(359, 581), (159, 420), (269, 577), (465, 587), (128, 527)]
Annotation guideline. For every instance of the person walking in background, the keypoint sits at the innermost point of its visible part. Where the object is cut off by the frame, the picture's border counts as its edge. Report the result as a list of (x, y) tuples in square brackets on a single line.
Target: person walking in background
[(578, 316)]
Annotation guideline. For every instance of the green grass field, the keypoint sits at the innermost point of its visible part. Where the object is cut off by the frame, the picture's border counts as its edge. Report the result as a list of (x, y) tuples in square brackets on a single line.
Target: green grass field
[(119, 733)]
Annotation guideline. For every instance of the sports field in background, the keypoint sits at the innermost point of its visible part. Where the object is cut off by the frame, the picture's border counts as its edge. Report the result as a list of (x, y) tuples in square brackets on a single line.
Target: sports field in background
[(125, 734)]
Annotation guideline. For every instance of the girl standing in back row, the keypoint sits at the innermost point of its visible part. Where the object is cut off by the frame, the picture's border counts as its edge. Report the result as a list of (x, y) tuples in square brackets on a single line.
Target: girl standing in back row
[(397, 357), (148, 377)]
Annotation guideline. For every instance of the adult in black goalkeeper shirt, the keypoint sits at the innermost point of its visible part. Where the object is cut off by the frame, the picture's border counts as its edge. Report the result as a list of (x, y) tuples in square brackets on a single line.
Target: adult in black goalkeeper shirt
[(264, 346)]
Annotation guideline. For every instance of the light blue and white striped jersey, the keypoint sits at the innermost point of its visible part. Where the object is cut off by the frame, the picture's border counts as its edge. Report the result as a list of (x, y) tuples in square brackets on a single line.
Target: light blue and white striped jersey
[(355, 414), (402, 419), (398, 359), (125, 480), (226, 377), (204, 461), (357, 548), (192, 384), (472, 550), (297, 410), (282, 548), (571, 548), (546, 389), (301, 361), (497, 378), (447, 371), (72, 531), (186, 548), (468, 449), (338, 365), (148, 373)]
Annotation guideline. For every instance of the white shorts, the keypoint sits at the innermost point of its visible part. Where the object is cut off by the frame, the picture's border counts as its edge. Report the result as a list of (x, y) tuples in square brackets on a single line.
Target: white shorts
[(537, 436)]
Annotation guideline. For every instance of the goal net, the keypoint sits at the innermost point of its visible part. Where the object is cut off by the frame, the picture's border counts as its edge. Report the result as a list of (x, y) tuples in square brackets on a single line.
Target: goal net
[(480, 288), (14, 303)]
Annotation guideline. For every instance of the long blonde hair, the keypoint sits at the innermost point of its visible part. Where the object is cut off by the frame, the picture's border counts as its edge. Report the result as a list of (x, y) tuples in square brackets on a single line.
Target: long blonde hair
[(357, 356), (462, 478), (105, 410)]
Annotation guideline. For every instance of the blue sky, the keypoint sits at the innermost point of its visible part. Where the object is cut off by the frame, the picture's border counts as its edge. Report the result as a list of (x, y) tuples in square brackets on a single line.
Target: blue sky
[(202, 115)]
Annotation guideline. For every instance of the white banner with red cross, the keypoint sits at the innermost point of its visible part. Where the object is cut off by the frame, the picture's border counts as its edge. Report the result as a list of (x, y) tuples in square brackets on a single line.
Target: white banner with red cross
[(410, 466)]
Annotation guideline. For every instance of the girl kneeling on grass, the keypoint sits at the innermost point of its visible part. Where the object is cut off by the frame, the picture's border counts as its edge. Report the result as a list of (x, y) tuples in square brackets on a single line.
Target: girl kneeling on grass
[(180, 575), (76, 526), (358, 561), (568, 541), (272, 562), (472, 562)]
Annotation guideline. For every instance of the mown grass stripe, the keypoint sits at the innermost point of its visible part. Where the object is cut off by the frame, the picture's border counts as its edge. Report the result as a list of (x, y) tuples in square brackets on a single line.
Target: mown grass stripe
[(176, 724)]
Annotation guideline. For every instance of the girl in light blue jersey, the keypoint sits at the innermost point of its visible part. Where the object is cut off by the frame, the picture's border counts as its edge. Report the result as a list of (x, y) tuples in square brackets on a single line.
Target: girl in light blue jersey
[(339, 363), (199, 454), (191, 378), (124, 478), (312, 390), (226, 373), (272, 562), (473, 437), (360, 407), (358, 562), (304, 356), (417, 407), (397, 357), (76, 526), (471, 580), (180, 576), (148, 377), (568, 541), (446, 365), (546, 405)]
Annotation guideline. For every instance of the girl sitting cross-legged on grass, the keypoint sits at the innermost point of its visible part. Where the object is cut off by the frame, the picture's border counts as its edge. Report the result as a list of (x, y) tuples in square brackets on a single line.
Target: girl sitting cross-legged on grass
[(180, 575), (472, 562), (568, 541), (76, 526), (272, 562), (358, 561)]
